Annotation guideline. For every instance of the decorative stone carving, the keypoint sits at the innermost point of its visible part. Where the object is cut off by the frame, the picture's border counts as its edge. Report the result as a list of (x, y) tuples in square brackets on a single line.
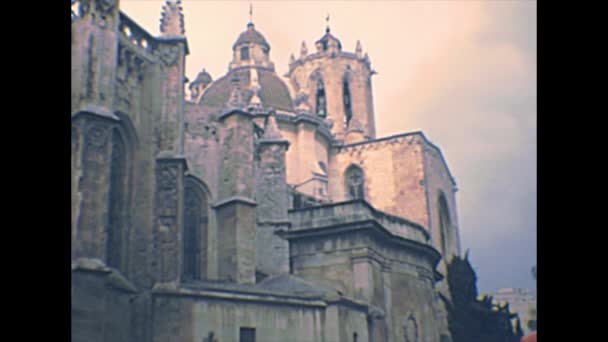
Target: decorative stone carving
[(355, 125), (105, 6), (97, 137), (355, 182), (172, 19), (301, 101), (167, 190), (168, 54)]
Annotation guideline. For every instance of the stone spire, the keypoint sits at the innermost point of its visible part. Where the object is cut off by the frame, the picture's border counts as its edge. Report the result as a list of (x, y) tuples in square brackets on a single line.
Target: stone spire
[(271, 129), (366, 59), (235, 101), (172, 19), (303, 50), (292, 59), (359, 50)]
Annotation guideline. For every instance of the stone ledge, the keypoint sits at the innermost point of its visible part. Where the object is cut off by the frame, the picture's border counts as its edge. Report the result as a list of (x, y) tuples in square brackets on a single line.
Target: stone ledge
[(374, 228), (95, 110), (171, 289), (238, 199), (114, 277)]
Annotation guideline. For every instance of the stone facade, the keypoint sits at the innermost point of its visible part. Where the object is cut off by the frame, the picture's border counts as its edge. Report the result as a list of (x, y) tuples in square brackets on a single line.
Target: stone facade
[(258, 207)]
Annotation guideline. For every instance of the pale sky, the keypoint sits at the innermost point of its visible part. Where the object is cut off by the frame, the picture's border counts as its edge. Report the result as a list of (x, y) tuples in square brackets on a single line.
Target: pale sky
[(463, 72)]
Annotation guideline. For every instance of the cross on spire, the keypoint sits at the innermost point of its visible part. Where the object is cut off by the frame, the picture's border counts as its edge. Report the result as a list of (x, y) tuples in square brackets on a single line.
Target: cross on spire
[(327, 21)]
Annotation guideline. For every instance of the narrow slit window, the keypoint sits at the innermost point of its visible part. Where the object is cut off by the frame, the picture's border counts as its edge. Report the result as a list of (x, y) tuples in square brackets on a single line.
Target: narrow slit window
[(321, 100), (348, 112)]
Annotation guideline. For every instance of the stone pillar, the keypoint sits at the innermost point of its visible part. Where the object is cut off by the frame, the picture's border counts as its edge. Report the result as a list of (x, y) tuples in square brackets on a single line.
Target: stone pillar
[(235, 209), (94, 50), (169, 217), (272, 199), (91, 174), (362, 272), (332, 323), (307, 153), (172, 54), (388, 300)]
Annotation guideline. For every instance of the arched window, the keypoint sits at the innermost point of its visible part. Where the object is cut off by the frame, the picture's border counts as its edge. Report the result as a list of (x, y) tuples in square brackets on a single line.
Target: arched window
[(347, 101), (117, 197), (195, 231), (321, 101), (444, 223), (410, 329), (355, 182)]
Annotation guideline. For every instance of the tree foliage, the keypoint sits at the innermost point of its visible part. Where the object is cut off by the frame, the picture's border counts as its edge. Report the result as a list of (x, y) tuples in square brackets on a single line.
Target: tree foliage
[(471, 319)]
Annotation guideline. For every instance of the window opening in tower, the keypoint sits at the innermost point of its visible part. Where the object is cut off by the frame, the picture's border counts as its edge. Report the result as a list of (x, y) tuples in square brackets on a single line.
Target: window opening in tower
[(321, 101), (244, 53), (347, 103)]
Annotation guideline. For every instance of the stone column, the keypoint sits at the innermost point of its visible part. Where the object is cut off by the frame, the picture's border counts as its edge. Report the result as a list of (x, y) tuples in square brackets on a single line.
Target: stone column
[(362, 272), (169, 217), (235, 209), (94, 50), (388, 300), (272, 199), (172, 54), (91, 175)]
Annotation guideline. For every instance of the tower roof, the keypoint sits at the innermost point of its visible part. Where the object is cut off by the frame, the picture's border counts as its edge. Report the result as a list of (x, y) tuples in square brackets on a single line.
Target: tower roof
[(251, 35), (327, 37), (203, 77)]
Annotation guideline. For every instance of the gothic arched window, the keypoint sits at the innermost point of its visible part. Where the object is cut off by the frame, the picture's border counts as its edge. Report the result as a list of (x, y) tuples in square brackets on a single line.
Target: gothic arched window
[(321, 100), (444, 223), (347, 101), (355, 182), (195, 231), (117, 202)]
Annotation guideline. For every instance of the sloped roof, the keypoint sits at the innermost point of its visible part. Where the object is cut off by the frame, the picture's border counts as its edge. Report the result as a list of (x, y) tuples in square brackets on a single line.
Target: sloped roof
[(327, 37)]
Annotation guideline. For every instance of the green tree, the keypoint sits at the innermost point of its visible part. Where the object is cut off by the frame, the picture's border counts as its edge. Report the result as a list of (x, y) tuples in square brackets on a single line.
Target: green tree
[(471, 319)]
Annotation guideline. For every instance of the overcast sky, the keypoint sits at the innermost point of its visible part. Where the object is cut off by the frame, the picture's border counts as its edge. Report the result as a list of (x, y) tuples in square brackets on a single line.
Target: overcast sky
[(463, 72)]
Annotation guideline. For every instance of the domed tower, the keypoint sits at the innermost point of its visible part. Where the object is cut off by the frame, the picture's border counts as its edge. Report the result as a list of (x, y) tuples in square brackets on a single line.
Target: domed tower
[(198, 86), (337, 86), (253, 71), (251, 49)]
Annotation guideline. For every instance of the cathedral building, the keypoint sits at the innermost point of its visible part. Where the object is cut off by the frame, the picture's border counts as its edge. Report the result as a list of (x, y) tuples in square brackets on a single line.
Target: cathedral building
[(259, 208)]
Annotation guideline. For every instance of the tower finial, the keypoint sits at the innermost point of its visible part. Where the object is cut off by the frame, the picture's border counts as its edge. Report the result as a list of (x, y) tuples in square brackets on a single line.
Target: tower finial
[(250, 11), (358, 50), (327, 21), (172, 19)]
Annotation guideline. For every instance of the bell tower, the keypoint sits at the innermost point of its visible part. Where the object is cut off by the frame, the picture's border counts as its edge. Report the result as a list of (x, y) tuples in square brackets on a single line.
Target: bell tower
[(336, 86)]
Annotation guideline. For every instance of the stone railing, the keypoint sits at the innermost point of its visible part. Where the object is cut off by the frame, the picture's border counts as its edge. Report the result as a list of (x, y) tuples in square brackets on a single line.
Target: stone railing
[(351, 212), (138, 37)]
